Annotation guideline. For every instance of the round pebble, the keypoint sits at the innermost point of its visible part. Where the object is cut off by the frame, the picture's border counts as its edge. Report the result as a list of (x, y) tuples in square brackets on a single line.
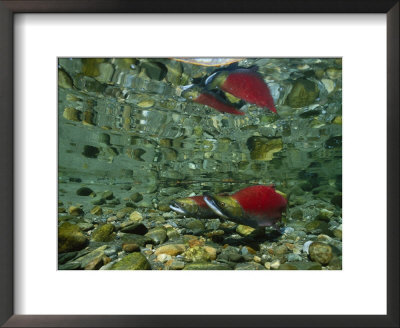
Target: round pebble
[(275, 264), (130, 247), (171, 249), (146, 103), (84, 191), (97, 210), (163, 258), (135, 216), (320, 252)]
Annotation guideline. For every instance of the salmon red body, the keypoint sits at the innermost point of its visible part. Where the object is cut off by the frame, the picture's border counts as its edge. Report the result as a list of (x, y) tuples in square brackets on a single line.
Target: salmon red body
[(261, 201), (245, 84), (205, 97), (199, 201), (255, 206), (249, 86), (212, 101)]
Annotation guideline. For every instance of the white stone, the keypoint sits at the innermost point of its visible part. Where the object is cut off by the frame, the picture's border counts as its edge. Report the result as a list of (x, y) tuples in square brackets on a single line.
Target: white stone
[(329, 85), (306, 246), (163, 258), (288, 230), (275, 264), (106, 72)]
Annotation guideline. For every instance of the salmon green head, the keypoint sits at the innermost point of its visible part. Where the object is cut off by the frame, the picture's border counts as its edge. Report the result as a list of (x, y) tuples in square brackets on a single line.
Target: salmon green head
[(224, 206), (216, 80), (191, 91), (185, 206), (192, 206)]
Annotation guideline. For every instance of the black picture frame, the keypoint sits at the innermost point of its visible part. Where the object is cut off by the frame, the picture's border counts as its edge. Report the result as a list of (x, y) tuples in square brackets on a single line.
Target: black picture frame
[(10, 7)]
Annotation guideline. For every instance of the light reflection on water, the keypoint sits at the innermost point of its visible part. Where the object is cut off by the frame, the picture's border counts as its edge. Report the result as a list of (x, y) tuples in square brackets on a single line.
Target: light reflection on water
[(149, 137)]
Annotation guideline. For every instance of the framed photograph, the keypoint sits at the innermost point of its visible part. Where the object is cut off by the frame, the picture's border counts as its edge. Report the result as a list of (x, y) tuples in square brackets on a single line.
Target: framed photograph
[(205, 164)]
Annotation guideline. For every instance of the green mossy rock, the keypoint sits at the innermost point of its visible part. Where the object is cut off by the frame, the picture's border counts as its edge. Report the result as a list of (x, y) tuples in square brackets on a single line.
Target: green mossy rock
[(196, 226), (107, 195), (172, 233), (317, 227), (84, 191), (300, 266), (70, 266), (97, 210), (97, 254), (334, 73), (85, 226), (132, 227), (133, 261), (98, 200), (64, 80), (130, 247), (65, 257), (157, 235), (262, 148), (206, 266), (325, 215), (249, 266), (124, 212), (70, 238), (196, 254), (136, 197), (90, 66), (137, 239), (103, 233), (303, 93)]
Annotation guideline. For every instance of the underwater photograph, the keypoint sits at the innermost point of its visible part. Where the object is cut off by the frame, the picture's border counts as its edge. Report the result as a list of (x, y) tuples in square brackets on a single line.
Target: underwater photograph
[(199, 164)]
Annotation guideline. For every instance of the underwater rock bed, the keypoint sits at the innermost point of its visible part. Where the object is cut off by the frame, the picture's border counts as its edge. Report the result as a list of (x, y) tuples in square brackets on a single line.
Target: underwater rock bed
[(121, 235)]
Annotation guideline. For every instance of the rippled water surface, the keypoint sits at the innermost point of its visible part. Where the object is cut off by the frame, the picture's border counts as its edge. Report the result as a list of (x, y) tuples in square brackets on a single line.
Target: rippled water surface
[(124, 126)]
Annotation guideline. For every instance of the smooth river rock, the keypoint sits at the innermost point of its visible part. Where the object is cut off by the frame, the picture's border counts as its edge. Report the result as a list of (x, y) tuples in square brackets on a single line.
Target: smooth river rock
[(133, 261), (70, 238)]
